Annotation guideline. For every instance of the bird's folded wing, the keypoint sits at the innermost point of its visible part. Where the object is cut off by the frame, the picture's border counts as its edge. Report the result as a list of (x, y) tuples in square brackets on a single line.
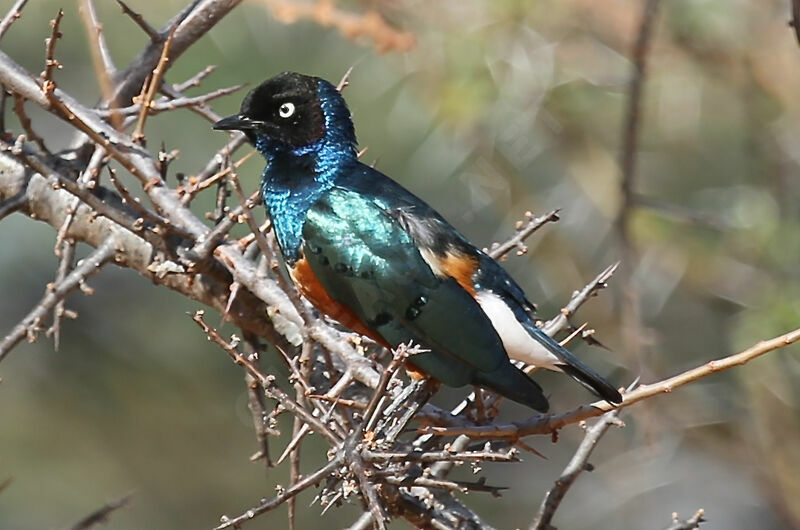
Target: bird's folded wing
[(367, 261)]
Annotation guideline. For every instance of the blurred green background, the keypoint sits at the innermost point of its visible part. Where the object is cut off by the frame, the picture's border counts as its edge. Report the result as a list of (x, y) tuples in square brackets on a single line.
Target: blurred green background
[(501, 107)]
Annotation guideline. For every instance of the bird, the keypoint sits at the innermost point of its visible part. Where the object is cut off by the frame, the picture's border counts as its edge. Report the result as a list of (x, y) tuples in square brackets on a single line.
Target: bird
[(371, 255)]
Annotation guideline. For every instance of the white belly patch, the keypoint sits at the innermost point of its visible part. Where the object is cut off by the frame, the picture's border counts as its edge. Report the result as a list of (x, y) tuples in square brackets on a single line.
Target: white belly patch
[(517, 342)]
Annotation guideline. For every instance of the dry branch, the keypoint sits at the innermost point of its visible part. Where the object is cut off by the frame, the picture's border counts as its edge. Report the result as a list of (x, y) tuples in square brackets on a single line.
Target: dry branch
[(271, 504), (139, 20), (192, 24), (152, 87), (578, 464), (523, 231), (30, 325), (102, 514), (102, 62), (692, 523), (13, 14), (50, 61), (46, 203), (548, 423)]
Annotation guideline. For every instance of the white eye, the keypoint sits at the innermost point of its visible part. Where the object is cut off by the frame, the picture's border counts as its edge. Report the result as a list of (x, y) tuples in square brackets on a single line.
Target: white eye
[(286, 110)]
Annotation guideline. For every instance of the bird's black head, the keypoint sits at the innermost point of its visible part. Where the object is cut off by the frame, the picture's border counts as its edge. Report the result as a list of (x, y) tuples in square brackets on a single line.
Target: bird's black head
[(288, 113)]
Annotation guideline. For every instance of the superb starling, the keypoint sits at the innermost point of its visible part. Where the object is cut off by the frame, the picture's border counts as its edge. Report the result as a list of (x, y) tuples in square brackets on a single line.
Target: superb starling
[(379, 260)]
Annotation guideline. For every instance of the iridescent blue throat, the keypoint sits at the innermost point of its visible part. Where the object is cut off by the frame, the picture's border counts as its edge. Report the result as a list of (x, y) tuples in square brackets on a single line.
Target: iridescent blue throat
[(294, 179)]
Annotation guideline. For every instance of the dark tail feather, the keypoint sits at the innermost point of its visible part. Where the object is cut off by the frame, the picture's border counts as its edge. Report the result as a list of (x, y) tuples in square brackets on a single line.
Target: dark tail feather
[(592, 381), (513, 383), (575, 368)]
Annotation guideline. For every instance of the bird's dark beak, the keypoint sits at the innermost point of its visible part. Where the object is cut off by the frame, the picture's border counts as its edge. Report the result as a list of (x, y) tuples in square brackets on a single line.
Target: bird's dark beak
[(237, 122)]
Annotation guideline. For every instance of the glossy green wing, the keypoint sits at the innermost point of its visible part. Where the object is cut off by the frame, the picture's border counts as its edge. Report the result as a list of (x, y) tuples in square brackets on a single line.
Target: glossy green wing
[(365, 260)]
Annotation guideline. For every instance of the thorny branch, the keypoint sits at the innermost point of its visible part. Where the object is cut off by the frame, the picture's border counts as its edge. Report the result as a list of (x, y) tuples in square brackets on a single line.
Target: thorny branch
[(692, 523), (13, 14), (31, 324), (578, 464), (137, 18), (548, 423), (346, 390), (523, 230), (152, 87), (102, 514)]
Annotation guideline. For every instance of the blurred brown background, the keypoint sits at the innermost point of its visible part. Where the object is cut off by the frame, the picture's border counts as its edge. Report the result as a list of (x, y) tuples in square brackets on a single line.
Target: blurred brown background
[(499, 108)]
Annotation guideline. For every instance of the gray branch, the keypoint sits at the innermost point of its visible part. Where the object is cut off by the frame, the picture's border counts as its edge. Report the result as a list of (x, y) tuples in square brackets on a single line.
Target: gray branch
[(577, 465), (55, 293)]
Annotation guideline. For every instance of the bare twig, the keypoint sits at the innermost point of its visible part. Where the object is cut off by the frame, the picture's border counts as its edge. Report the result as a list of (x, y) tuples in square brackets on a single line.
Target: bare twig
[(372, 411), (101, 515), (271, 504), (215, 237), (86, 181), (49, 204), (104, 68), (578, 464), (50, 61), (350, 403), (255, 402), (267, 382), (450, 485), (155, 83), (199, 17), (195, 80), (169, 104), (344, 82), (67, 254), (154, 35), (368, 490), (25, 121), (104, 64), (200, 108), (13, 14), (524, 230), (136, 204), (692, 523), (294, 472), (557, 323), (64, 111), (144, 167), (100, 207), (297, 437), (199, 184), (548, 423), (449, 455), (29, 325), (247, 213)]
